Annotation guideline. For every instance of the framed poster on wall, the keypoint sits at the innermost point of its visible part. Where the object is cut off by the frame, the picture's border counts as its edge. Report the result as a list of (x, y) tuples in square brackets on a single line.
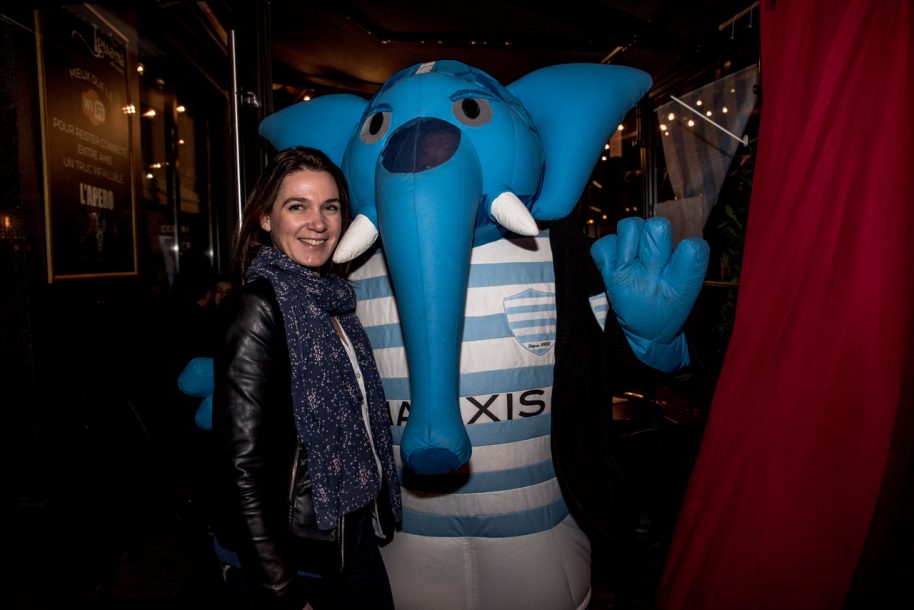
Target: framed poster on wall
[(87, 122)]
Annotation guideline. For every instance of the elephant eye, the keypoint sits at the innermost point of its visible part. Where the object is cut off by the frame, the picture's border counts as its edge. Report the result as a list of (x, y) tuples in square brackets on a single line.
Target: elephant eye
[(375, 127), (472, 111)]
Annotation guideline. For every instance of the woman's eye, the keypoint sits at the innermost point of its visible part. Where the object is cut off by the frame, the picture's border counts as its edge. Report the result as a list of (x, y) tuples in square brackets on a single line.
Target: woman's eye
[(375, 127), (472, 111)]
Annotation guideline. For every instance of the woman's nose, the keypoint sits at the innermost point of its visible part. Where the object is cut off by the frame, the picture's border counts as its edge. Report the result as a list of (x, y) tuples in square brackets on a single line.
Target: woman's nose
[(317, 222)]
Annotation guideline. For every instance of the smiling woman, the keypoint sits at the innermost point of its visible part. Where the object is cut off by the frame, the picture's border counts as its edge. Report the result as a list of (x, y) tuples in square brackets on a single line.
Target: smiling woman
[(298, 408)]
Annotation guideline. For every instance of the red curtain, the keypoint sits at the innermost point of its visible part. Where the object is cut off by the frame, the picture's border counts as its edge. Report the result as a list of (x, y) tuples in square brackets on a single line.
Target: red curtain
[(796, 448)]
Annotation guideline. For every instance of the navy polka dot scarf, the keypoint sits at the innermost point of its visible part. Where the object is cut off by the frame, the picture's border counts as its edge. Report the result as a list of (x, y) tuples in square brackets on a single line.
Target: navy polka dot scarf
[(325, 394)]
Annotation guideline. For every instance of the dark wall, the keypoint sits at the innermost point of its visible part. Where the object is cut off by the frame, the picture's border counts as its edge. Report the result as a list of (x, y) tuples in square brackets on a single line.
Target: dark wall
[(95, 427), (71, 358)]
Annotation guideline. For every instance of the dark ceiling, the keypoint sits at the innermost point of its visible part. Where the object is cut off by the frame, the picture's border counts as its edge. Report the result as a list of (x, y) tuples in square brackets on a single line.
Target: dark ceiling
[(356, 45)]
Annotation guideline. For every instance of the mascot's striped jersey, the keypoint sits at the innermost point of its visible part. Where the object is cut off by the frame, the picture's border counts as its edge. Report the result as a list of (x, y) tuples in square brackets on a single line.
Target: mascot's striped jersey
[(497, 533)]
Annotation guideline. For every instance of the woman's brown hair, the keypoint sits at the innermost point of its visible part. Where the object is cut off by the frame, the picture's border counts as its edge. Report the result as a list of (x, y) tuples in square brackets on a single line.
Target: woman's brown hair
[(260, 202)]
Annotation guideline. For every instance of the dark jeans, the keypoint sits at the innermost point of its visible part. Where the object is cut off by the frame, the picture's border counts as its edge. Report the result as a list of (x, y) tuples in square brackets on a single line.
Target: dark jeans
[(363, 584)]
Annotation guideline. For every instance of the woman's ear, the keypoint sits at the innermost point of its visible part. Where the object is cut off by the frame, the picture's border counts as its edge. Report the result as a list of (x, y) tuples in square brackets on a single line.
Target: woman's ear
[(265, 223)]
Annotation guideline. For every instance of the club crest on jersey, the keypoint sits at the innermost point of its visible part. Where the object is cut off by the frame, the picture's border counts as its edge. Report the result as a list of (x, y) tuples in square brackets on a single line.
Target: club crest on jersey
[(531, 317)]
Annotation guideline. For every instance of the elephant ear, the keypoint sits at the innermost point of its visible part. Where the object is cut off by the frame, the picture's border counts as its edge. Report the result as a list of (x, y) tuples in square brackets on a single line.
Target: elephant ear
[(575, 108), (325, 123)]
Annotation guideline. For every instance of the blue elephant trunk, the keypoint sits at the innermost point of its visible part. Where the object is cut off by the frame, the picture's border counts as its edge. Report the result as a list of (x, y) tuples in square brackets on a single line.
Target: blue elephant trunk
[(427, 218)]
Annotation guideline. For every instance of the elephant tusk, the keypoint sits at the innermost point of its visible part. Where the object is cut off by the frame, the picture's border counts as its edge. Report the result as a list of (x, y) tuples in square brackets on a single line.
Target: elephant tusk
[(358, 238), (511, 213)]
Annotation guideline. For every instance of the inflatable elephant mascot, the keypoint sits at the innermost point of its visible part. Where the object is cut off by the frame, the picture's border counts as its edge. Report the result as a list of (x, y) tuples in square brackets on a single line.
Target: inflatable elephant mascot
[(484, 310)]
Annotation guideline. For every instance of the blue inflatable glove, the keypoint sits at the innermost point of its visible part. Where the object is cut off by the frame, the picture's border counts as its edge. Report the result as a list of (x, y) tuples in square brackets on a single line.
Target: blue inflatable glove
[(652, 292), (204, 415), (197, 379)]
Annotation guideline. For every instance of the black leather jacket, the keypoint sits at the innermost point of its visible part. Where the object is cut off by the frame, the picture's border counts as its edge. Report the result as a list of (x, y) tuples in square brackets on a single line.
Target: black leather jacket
[(267, 495)]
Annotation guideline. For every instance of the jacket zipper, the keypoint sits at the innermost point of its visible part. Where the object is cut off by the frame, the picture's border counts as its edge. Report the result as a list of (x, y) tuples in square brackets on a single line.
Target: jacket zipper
[(340, 525), (292, 483)]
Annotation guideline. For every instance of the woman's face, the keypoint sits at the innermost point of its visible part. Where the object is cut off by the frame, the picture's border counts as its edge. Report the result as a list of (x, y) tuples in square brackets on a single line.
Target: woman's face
[(307, 218)]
